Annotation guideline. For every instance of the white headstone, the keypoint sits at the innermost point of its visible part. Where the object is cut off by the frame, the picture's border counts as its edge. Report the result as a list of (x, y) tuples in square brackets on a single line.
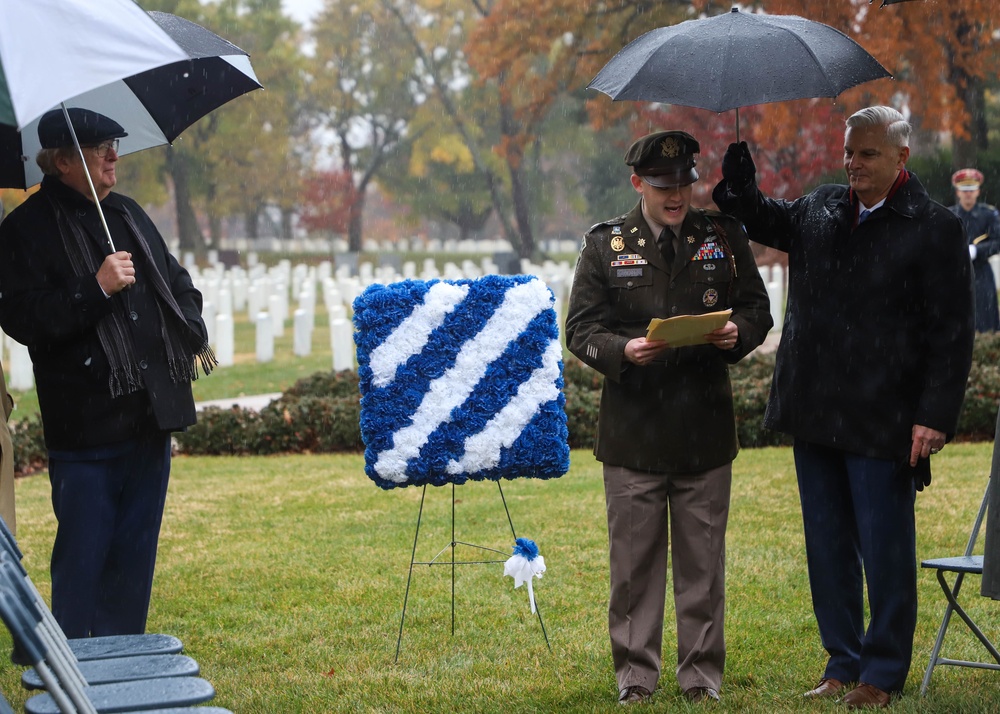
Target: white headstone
[(342, 344), (277, 322), (22, 377), (265, 337), (302, 338), (224, 339)]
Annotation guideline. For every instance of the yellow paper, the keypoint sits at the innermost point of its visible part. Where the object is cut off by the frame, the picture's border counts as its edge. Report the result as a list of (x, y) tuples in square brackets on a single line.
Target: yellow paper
[(686, 330)]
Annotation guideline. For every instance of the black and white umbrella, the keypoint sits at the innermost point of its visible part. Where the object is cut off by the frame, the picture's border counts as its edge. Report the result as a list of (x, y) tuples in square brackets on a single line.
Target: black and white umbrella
[(54, 49), (153, 106)]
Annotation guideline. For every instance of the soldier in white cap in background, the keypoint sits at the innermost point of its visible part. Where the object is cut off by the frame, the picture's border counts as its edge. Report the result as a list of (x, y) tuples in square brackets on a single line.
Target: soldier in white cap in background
[(982, 228)]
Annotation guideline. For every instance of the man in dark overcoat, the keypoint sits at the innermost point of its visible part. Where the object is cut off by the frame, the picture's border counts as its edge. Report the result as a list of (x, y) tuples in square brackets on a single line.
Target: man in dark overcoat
[(982, 229), (869, 380), (666, 429), (114, 336)]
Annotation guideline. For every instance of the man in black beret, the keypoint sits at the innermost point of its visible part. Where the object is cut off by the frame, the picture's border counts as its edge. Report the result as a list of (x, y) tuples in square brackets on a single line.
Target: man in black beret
[(114, 338), (666, 429)]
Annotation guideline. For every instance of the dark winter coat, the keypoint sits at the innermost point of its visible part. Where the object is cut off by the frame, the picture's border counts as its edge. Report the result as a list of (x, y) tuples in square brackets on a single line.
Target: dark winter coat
[(46, 306), (676, 414), (878, 327), (982, 227)]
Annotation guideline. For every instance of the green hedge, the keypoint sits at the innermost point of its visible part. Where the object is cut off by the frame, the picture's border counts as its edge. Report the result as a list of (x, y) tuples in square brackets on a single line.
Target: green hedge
[(320, 413)]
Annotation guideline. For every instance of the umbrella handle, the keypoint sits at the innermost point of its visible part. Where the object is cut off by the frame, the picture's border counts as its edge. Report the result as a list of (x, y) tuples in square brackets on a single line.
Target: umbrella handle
[(86, 172)]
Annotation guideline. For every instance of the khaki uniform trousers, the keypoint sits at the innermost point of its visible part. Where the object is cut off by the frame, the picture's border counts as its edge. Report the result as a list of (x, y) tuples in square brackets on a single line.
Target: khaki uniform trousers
[(641, 506)]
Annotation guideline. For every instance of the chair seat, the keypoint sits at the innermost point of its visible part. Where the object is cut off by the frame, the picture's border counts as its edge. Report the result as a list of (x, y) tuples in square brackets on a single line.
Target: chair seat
[(140, 696), (124, 669), (959, 564), (112, 646)]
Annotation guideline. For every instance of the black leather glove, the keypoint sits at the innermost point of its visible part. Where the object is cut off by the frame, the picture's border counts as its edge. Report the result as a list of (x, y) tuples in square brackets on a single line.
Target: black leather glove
[(738, 167), (921, 473)]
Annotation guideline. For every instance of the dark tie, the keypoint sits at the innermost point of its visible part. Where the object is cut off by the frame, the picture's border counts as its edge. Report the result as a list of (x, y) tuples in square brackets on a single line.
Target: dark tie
[(666, 245), (864, 216)]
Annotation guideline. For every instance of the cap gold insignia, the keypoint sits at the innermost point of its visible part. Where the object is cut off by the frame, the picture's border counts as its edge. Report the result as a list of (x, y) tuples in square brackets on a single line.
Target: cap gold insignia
[(670, 147), (642, 242), (617, 243)]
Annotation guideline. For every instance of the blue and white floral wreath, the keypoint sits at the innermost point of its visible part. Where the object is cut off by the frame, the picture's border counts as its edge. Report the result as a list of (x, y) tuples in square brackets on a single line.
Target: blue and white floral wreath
[(460, 380)]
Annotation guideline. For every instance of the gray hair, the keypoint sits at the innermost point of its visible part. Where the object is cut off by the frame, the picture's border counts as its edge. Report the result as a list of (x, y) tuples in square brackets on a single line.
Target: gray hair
[(47, 158), (897, 129)]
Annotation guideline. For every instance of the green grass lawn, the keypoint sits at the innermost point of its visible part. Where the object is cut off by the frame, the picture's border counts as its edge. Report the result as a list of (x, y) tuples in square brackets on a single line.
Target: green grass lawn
[(285, 576)]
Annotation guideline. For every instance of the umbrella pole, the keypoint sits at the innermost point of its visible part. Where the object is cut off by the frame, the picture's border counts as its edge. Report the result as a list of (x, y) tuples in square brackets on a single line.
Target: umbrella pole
[(737, 125), (86, 172)]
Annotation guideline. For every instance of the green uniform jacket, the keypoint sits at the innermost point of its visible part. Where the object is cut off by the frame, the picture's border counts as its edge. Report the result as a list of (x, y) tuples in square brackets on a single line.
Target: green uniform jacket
[(675, 414)]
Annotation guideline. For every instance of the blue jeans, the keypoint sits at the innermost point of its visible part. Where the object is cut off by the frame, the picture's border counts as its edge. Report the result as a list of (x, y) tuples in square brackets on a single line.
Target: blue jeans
[(859, 526), (108, 501)]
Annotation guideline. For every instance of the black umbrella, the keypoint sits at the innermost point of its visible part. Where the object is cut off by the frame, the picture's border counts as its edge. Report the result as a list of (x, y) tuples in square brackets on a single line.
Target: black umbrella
[(737, 60), (154, 106)]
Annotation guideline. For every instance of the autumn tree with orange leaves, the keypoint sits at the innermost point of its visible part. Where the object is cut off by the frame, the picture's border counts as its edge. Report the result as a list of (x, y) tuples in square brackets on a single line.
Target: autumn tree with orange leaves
[(942, 54)]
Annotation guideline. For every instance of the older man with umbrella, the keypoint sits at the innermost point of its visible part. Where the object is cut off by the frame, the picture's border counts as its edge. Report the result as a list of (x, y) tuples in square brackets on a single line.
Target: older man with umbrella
[(115, 338), (869, 380)]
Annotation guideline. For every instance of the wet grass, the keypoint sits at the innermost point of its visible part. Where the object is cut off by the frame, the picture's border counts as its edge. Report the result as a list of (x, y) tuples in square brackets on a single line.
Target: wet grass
[(285, 578)]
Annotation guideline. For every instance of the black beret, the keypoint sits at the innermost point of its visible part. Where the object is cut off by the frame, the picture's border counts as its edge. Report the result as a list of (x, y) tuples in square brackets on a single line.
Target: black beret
[(665, 158), (91, 128)]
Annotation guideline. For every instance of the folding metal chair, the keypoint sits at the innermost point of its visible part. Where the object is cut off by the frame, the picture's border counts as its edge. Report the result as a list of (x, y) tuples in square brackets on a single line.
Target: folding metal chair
[(5, 705), (88, 648), (66, 695), (963, 565), (99, 671)]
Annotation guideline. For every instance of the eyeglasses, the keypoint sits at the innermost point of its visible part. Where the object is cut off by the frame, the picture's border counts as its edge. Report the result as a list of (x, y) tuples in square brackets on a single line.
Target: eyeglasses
[(104, 147)]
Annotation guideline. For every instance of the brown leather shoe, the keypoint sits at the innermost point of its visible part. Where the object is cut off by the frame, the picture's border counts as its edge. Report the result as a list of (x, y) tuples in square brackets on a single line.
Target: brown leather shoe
[(866, 696), (701, 694), (827, 687), (634, 694)]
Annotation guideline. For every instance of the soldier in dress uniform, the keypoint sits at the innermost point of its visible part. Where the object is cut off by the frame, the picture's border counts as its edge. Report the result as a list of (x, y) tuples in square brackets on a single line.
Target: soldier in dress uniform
[(982, 228), (666, 430)]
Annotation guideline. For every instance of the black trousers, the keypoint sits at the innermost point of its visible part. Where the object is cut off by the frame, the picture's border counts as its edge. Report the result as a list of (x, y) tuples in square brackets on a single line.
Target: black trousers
[(108, 501)]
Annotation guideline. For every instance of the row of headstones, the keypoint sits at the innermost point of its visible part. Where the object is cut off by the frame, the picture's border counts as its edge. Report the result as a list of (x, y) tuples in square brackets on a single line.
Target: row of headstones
[(551, 246), (264, 295)]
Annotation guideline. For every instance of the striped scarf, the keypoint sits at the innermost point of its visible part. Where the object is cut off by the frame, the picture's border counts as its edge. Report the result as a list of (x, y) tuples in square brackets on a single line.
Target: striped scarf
[(113, 332)]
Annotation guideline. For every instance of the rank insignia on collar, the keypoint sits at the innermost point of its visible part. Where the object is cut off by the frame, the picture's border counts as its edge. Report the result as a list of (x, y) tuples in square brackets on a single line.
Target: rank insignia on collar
[(634, 230), (617, 243), (642, 242), (690, 239)]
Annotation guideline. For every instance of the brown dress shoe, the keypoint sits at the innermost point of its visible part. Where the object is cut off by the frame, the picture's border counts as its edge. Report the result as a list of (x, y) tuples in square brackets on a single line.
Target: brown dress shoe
[(866, 696), (701, 694), (827, 687), (634, 694)]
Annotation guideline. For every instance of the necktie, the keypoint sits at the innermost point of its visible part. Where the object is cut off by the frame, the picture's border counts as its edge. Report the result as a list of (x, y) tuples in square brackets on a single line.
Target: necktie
[(666, 245), (864, 216)]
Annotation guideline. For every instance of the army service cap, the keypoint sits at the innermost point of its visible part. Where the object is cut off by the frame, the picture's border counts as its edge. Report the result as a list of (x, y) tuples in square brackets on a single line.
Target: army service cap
[(91, 128), (966, 179), (664, 159)]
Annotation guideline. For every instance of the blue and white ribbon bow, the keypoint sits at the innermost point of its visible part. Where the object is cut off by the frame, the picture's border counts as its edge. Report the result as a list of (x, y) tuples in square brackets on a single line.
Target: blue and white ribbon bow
[(525, 565)]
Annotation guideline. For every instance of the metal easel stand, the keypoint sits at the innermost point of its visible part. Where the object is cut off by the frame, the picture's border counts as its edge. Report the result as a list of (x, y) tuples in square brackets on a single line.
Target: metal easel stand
[(436, 560)]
